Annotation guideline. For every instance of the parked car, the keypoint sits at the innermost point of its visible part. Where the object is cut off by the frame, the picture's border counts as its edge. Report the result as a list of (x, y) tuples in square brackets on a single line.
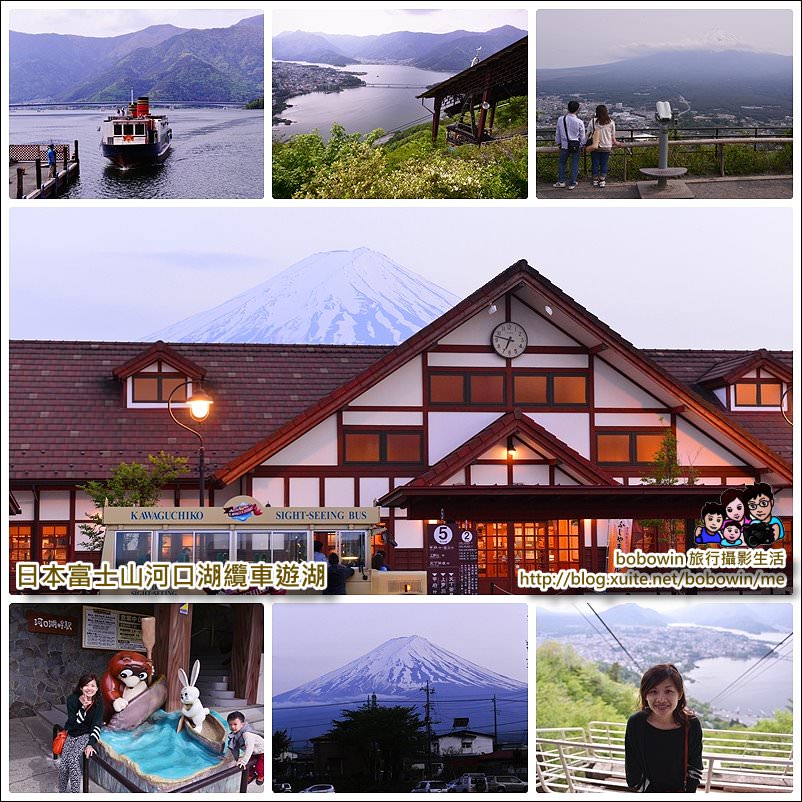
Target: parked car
[(321, 788), (470, 783), (430, 787), (282, 788), (501, 783)]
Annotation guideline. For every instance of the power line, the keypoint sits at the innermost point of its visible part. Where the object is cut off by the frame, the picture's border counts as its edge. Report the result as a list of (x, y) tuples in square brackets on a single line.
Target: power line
[(615, 637), (750, 669)]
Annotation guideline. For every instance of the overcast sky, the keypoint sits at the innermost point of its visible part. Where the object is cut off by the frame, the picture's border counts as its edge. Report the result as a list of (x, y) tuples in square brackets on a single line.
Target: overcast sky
[(581, 36), (117, 20), (311, 639), (678, 278), (363, 19)]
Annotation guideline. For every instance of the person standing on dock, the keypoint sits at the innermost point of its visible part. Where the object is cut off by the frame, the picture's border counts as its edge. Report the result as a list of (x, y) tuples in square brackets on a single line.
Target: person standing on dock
[(51, 161)]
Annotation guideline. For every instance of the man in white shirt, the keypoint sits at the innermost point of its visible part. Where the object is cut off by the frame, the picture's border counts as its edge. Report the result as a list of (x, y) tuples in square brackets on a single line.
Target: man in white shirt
[(569, 128)]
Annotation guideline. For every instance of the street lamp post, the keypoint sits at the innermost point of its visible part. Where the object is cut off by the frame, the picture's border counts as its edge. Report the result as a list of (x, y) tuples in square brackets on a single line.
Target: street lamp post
[(199, 403)]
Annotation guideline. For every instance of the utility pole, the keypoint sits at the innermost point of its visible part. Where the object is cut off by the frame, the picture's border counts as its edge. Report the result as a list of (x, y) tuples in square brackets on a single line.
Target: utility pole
[(429, 691), (495, 725)]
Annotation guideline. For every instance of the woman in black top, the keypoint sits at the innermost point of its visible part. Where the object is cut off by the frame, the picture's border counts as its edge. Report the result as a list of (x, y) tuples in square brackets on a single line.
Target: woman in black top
[(84, 718), (664, 739)]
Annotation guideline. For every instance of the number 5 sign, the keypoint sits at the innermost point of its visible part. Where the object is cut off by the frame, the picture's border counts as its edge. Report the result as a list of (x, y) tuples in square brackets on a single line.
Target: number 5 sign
[(443, 534)]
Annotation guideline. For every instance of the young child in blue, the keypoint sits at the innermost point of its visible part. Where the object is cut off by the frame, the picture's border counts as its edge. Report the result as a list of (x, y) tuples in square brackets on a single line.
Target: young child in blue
[(731, 534), (712, 518)]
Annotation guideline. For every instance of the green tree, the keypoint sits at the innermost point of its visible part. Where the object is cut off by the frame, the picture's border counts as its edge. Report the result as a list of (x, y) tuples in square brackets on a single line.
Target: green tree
[(281, 744), (130, 485), (387, 737), (666, 470)]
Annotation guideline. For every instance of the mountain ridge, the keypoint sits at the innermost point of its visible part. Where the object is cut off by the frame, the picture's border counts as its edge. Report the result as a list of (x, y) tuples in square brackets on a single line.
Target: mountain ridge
[(396, 669), (67, 68), (357, 297), (433, 51)]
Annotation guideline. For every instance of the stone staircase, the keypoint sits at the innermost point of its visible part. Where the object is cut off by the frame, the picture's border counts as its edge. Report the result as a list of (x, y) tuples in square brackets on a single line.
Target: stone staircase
[(213, 684)]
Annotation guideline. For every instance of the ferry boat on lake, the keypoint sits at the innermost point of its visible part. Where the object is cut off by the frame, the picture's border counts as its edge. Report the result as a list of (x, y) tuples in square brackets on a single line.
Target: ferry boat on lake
[(134, 137)]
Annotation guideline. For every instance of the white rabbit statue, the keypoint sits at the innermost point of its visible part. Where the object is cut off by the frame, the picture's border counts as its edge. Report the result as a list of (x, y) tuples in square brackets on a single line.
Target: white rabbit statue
[(191, 707)]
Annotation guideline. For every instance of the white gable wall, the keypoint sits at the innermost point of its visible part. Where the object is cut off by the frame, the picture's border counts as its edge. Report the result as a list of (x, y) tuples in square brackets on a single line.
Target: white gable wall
[(402, 388), (530, 474), (613, 389), (449, 430), (269, 490), (538, 328), (339, 491), (696, 448), (570, 427), (317, 447)]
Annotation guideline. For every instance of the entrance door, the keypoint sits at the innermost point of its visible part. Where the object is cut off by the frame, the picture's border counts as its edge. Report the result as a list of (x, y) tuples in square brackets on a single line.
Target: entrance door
[(506, 546)]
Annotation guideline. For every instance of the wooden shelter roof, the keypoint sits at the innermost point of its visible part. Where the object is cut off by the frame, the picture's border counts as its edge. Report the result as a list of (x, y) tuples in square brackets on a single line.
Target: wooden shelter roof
[(507, 72)]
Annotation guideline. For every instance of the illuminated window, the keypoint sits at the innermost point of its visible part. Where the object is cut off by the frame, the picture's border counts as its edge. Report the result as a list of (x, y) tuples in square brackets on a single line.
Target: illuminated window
[(54, 543), (398, 446), (549, 389), (19, 543), (458, 388), (530, 390), (628, 448), (758, 394), (154, 386)]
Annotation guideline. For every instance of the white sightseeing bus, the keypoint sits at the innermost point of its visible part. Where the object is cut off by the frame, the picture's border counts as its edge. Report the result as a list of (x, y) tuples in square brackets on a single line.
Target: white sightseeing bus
[(246, 531)]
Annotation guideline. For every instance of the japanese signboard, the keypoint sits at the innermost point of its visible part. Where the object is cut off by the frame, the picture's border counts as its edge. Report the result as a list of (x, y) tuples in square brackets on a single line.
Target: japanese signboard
[(453, 560)]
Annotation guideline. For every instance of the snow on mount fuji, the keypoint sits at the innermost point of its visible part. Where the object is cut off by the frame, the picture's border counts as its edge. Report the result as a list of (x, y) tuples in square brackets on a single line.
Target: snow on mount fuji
[(396, 670), (355, 297)]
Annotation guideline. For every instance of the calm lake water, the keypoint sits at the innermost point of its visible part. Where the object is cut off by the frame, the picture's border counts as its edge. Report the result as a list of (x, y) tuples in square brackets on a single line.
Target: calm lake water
[(761, 693), (364, 108), (216, 153)]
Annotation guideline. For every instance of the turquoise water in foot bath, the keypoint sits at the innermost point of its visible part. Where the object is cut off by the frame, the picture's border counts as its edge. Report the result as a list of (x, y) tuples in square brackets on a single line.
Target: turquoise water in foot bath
[(158, 750)]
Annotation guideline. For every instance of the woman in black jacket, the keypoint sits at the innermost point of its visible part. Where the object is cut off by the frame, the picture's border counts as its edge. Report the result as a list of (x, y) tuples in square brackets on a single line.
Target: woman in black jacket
[(84, 719), (664, 739)]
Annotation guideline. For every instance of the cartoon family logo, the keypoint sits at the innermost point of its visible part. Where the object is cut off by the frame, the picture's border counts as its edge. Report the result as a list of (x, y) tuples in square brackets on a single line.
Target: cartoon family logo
[(741, 517)]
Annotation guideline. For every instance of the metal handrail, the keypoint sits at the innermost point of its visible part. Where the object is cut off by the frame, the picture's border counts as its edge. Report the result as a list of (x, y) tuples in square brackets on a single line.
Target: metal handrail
[(750, 768), (191, 786), (652, 143)]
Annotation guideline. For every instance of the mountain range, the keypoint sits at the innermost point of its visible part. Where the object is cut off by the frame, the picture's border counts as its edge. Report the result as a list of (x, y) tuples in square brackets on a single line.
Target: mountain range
[(750, 618), (429, 51), (161, 61), (357, 297), (396, 672), (707, 78)]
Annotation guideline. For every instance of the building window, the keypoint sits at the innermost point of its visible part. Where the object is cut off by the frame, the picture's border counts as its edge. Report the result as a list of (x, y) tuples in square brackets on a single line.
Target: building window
[(549, 389), (154, 385), (758, 394), (20, 543), (398, 446), (54, 543), (628, 448), (460, 388)]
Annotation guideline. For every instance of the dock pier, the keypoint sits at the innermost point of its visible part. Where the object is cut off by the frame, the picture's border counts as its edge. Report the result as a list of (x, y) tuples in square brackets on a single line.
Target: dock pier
[(28, 171)]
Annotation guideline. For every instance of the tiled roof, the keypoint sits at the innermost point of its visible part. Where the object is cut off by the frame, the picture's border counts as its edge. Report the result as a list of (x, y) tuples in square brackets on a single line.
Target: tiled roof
[(692, 367), (68, 419)]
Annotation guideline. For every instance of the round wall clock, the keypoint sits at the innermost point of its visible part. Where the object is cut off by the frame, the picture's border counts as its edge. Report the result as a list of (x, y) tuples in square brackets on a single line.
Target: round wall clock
[(509, 339)]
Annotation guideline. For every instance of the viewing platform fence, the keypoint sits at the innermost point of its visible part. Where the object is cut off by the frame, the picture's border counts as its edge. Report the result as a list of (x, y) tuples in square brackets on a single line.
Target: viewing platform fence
[(703, 151), (577, 759)]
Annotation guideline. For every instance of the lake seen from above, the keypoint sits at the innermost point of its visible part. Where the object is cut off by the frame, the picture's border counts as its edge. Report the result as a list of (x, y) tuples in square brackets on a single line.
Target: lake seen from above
[(388, 101), (216, 153)]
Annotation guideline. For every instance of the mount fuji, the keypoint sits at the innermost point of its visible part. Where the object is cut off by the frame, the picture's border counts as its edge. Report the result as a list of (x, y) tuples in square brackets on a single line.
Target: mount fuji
[(396, 672), (357, 297)]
